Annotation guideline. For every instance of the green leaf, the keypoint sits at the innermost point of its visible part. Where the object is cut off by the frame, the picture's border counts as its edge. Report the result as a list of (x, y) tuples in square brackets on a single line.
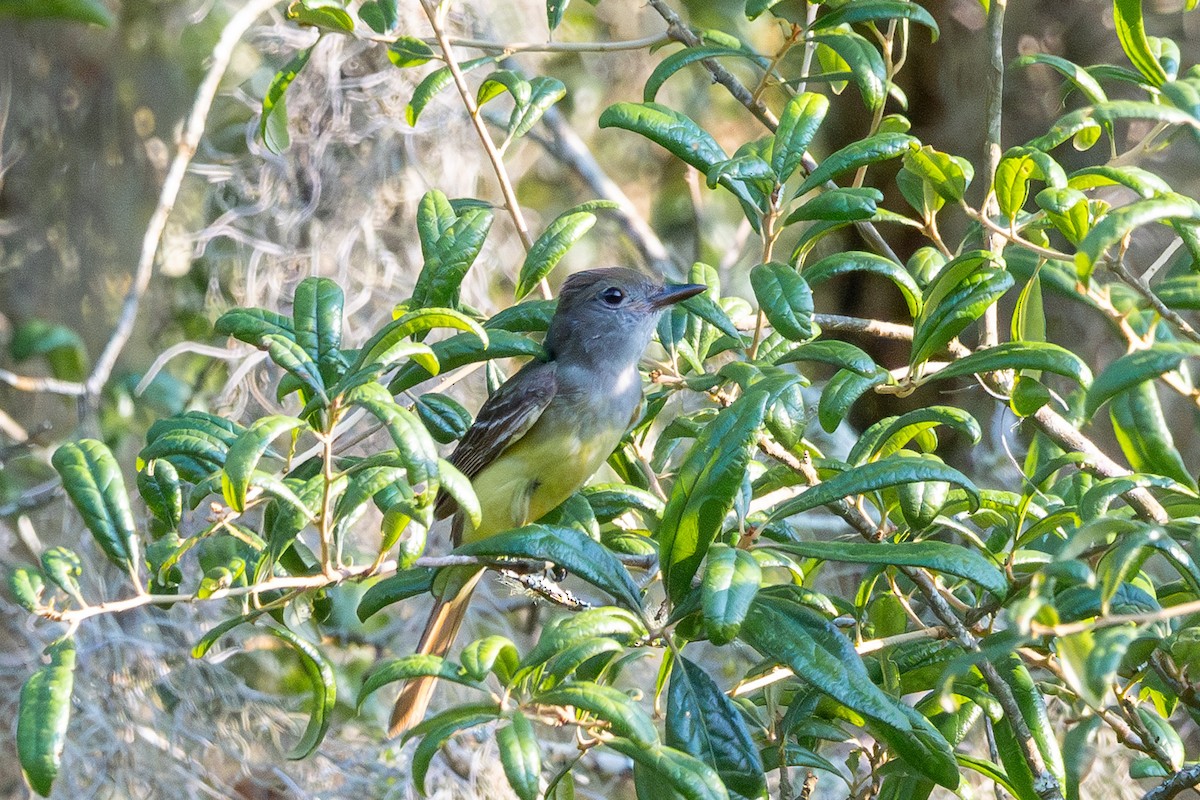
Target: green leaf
[(964, 289), (443, 416), (867, 68), (295, 360), (527, 317), (272, 127), (872, 477), (842, 355), (437, 730), (877, 10), (490, 654), (458, 486), (554, 16), (418, 665), (1133, 368), (676, 132), (1042, 356), (704, 722), (247, 451), (62, 348), (943, 557), (416, 447), (624, 716), (502, 81), (1012, 183), (92, 479), (250, 325), (93, 12), (569, 548), (1079, 77), (434, 82), (386, 346), (1144, 435), (26, 586), (550, 248), (43, 712), (704, 489), (1104, 114), (819, 653), (690, 55), (324, 14), (466, 348), (687, 775), (611, 500), (731, 580), (1146, 184), (158, 484), (1033, 710), (317, 320), (1120, 222), (1131, 32), (798, 124), (521, 756), (948, 175), (563, 633), (857, 261), (1068, 210), (1090, 660), (62, 567), (391, 590), (785, 298), (450, 243), (544, 92), (890, 434), (381, 17), (839, 205), (841, 392), (861, 153), (324, 691)]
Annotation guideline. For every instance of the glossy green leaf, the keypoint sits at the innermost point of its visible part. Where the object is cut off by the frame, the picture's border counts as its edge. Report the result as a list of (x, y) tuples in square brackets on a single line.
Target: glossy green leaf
[(43, 712), (858, 261), (841, 392), (1131, 32), (502, 81), (438, 730), (93, 12), (785, 298), (393, 589), (569, 548), (798, 124), (1144, 435), (526, 317), (704, 722), (554, 16), (416, 447), (250, 325), (690, 55), (324, 14), (26, 586), (1079, 77), (818, 652), (962, 292), (434, 82), (158, 484), (839, 205), (324, 691), (842, 355), (544, 92), (295, 360), (1033, 710), (877, 10), (92, 479), (867, 68), (272, 126), (521, 756), (444, 417), (1133, 368), (624, 716), (418, 665), (463, 349), (450, 243), (891, 434), (550, 247), (384, 347), (943, 557), (685, 774), (948, 175), (381, 16), (490, 654), (62, 567), (247, 451), (1119, 223), (704, 489), (731, 580), (872, 477), (861, 153), (1042, 356)]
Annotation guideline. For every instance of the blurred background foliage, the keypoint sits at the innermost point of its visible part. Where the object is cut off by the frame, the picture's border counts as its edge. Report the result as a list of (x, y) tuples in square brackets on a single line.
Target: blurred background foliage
[(89, 120)]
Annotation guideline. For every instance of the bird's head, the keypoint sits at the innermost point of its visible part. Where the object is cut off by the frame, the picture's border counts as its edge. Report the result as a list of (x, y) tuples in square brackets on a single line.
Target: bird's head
[(609, 315)]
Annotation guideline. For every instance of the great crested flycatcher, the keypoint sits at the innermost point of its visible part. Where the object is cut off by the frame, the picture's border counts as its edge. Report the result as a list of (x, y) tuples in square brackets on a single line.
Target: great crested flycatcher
[(546, 430)]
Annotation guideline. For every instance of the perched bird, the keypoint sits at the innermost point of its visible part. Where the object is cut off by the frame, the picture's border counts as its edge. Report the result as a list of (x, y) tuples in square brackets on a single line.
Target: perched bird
[(546, 430)]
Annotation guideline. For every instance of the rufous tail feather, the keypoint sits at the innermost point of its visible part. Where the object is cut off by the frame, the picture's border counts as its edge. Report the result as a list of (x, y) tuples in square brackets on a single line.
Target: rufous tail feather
[(444, 621)]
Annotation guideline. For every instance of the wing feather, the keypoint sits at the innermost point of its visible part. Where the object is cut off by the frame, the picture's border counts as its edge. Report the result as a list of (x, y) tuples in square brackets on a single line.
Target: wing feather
[(502, 421)]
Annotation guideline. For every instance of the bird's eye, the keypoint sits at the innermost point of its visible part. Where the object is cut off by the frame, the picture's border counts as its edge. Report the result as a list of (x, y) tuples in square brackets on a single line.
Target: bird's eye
[(612, 296)]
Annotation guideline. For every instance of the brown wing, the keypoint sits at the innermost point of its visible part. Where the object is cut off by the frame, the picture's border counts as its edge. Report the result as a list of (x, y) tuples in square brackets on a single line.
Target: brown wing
[(504, 418)]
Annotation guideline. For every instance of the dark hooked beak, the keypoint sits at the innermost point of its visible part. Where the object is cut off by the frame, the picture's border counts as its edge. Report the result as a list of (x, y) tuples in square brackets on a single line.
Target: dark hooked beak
[(674, 293)]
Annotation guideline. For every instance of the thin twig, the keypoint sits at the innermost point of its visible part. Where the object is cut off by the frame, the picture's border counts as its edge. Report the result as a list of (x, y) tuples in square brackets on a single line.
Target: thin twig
[(1177, 784), (545, 47), (1162, 309), (992, 148)]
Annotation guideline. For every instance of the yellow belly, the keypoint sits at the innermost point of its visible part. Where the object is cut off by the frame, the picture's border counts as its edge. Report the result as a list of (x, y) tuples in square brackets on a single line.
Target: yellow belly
[(533, 476)]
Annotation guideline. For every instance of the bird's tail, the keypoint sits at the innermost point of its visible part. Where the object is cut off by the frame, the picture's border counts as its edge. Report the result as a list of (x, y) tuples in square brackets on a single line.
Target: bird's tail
[(444, 621)]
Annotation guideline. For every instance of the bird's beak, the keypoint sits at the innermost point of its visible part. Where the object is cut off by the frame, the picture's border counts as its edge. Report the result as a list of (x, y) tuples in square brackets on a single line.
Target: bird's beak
[(674, 293)]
